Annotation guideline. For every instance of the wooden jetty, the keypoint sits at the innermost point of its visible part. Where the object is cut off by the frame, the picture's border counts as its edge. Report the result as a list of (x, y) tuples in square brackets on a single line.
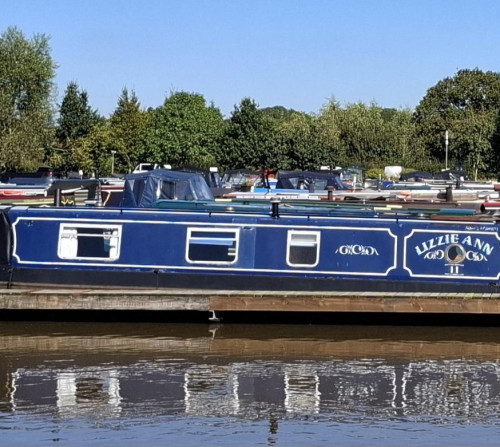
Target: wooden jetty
[(216, 301)]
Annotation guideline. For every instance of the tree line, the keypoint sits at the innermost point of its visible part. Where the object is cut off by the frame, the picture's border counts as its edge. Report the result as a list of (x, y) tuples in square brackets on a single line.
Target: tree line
[(186, 130)]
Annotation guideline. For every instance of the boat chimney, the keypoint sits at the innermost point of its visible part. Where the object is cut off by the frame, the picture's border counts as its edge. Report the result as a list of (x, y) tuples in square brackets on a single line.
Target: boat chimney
[(330, 193), (57, 197), (449, 193), (275, 210)]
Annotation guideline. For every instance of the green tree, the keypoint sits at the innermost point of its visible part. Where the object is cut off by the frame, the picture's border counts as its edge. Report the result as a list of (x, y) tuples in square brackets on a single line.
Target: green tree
[(127, 131), (330, 150), (76, 117), (297, 135), (367, 135), (249, 140), (76, 121), (278, 113), (473, 135), (458, 104), (290, 142), (26, 92), (403, 146), (363, 135), (91, 153), (183, 131)]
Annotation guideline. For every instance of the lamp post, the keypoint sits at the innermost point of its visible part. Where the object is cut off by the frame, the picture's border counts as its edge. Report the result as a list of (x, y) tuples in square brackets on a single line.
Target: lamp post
[(113, 162), (446, 150)]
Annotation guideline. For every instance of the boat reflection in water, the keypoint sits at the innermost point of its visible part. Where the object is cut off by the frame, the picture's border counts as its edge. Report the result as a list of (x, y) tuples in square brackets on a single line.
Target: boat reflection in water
[(253, 384)]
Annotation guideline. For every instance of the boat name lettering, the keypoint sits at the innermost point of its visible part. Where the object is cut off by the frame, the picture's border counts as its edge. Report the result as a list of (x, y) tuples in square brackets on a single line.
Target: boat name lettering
[(356, 249), (447, 239)]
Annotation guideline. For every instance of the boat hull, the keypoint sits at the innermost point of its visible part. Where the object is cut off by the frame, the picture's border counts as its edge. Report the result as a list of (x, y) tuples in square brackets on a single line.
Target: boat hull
[(87, 247), (42, 277)]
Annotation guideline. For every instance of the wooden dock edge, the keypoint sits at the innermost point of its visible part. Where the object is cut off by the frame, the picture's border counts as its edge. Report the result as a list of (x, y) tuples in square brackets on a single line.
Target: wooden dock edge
[(218, 301)]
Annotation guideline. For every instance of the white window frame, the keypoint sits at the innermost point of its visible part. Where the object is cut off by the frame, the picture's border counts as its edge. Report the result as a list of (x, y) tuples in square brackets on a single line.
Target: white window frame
[(290, 243), (67, 246), (236, 239)]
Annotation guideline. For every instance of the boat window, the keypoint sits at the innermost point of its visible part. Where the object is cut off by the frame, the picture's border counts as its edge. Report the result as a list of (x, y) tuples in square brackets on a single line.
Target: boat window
[(212, 246), (303, 248), (88, 241)]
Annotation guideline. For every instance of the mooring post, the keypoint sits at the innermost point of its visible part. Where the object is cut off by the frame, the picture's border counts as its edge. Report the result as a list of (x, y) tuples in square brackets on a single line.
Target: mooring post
[(214, 317)]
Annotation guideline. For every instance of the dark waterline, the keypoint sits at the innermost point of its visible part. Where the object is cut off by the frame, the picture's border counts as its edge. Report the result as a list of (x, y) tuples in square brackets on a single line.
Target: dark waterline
[(150, 383), (251, 317)]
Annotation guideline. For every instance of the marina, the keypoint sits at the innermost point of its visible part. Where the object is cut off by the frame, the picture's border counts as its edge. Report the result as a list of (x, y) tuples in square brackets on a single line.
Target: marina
[(249, 224)]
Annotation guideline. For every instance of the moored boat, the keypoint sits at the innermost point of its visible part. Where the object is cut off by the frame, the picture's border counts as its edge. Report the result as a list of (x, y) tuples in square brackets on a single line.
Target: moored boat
[(171, 233), (26, 188)]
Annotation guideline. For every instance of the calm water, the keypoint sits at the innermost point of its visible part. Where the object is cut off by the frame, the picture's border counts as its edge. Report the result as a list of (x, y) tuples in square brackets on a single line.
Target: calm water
[(180, 384)]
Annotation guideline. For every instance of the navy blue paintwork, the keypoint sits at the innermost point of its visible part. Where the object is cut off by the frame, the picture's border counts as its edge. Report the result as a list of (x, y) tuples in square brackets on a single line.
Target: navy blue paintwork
[(368, 249)]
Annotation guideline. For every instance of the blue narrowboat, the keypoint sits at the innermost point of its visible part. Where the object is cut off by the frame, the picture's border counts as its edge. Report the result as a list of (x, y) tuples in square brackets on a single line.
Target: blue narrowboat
[(170, 233)]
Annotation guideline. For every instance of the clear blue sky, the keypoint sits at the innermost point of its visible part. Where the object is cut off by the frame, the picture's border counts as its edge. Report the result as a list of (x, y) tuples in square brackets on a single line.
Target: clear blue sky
[(293, 53)]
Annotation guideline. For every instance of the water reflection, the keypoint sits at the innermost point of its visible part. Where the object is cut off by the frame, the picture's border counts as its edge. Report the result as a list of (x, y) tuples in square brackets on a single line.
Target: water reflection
[(88, 392), (250, 372)]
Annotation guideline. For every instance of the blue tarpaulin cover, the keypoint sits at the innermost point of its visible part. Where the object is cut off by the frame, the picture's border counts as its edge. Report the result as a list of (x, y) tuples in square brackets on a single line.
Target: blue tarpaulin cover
[(143, 189)]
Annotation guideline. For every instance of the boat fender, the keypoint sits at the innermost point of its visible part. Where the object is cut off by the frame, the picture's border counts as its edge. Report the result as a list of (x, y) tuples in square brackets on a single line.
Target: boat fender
[(6, 240)]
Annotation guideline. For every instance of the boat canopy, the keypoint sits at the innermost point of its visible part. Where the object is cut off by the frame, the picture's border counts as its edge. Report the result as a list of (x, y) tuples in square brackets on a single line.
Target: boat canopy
[(418, 176), (211, 175), (143, 189), (308, 179), (451, 175), (415, 176), (236, 178)]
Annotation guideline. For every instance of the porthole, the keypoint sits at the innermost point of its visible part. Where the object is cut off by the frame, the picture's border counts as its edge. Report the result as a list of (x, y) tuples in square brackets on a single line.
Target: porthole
[(455, 253)]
